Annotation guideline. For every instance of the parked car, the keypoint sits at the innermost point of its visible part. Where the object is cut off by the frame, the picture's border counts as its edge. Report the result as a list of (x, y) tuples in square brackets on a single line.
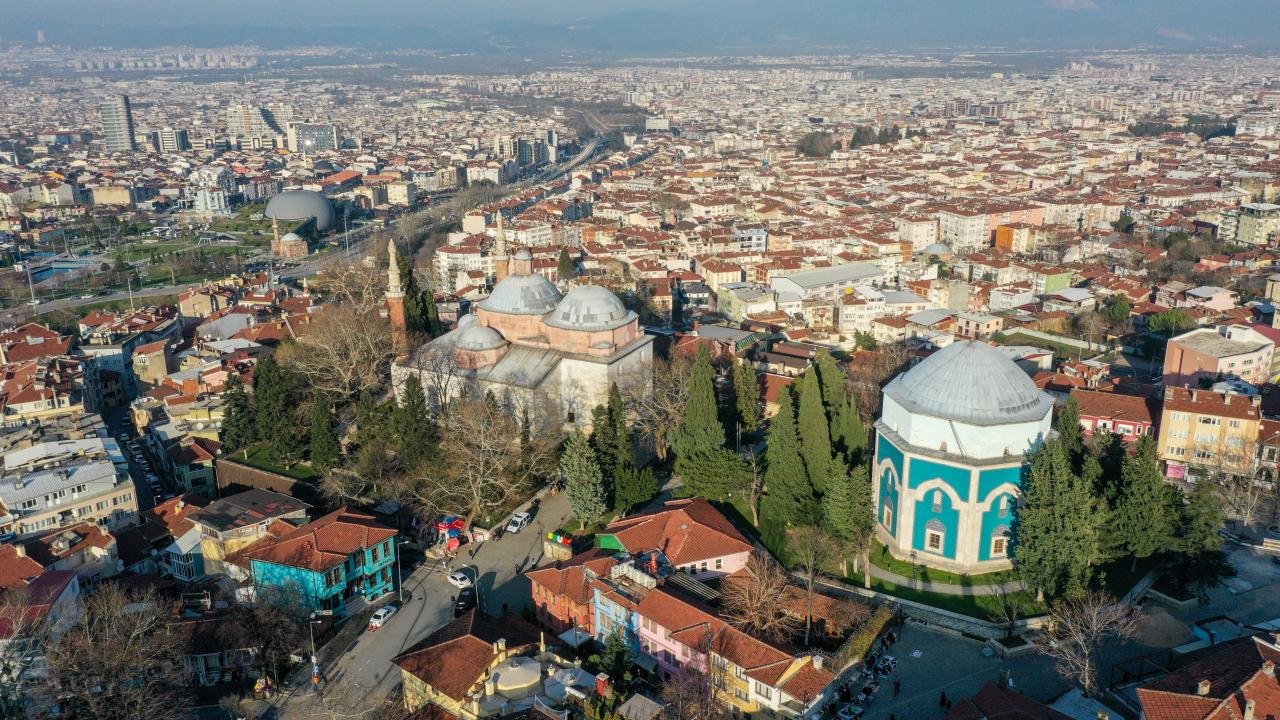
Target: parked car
[(519, 521), (381, 616), (461, 578), (466, 600)]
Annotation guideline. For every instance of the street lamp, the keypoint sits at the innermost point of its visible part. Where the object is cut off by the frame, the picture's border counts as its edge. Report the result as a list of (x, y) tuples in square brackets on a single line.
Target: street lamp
[(913, 568), (315, 662)]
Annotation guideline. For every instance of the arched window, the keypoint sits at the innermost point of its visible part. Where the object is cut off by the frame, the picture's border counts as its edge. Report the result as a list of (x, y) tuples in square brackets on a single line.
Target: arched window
[(935, 534)]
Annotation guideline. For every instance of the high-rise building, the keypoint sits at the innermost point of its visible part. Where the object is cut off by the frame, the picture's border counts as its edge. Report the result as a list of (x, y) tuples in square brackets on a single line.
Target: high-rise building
[(117, 124), (171, 141), (312, 137), (251, 121)]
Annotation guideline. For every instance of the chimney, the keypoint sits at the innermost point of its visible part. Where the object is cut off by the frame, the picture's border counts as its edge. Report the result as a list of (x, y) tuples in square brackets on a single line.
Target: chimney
[(602, 685), (1269, 669), (20, 550), (1104, 715), (500, 646), (1203, 688), (1195, 395), (1250, 706), (817, 662)]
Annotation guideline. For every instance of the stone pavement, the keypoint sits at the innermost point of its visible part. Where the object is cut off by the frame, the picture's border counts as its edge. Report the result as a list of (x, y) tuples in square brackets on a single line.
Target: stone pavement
[(956, 666)]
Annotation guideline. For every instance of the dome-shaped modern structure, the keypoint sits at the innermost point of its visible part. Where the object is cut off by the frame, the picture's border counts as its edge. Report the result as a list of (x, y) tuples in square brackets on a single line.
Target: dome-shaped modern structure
[(530, 294), (590, 307), (301, 205), (950, 447), (970, 382), (478, 338)]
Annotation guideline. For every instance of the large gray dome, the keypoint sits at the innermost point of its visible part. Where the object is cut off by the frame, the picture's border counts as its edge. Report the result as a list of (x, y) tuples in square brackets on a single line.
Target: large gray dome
[(300, 205), (590, 307), (530, 294), (479, 338), (970, 382)]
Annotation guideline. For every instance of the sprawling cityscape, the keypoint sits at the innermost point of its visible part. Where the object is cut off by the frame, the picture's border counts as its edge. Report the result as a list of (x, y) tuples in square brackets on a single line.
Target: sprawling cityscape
[(594, 376)]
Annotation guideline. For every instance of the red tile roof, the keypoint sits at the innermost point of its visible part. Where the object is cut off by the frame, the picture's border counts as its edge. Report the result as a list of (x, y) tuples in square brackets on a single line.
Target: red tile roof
[(324, 543), (454, 658), (994, 702), (686, 530), (1235, 675)]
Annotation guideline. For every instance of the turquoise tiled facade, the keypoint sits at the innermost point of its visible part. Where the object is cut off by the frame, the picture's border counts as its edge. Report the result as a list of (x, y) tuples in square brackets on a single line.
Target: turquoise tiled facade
[(367, 571), (964, 509)]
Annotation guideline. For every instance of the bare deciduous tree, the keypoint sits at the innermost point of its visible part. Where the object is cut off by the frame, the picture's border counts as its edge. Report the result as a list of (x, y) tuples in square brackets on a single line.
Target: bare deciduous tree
[(344, 351), (1246, 489), (755, 484), (751, 601), (1006, 609), (661, 411), (120, 662), (26, 634), (813, 549), (273, 623), (360, 283), (483, 460), (443, 378), (1077, 628)]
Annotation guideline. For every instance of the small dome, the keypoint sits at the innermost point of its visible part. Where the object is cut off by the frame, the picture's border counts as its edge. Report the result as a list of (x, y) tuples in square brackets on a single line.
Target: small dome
[(524, 254), (467, 321), (970, 382), (590, 307), (522, 295), (300, 205), (291, 237), (479, 338)]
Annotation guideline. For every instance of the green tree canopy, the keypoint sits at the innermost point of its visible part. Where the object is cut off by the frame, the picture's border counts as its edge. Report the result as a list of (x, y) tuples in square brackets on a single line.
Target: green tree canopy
[(585, 484), (848, 430), (1170, 321), (415, 432), (324, 450), (566, 268), (789, 498), (239, 427), (747, 391), (815, 432), (847, 512), (1145, 518), (1055, 532)]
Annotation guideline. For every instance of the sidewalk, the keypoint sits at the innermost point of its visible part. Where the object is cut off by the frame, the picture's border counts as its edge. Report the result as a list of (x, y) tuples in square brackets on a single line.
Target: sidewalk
[(943, 588)]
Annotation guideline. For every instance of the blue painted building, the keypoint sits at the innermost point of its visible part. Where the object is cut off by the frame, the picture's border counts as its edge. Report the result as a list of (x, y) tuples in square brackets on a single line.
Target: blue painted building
[(949, 456), (337, 561)]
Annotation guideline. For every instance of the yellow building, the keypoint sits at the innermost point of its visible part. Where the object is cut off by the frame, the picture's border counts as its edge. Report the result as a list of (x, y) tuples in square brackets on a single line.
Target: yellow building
[(1201, 428), (231, 524)]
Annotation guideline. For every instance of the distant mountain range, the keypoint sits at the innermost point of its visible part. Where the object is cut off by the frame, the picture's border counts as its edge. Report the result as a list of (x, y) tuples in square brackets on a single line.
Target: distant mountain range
[(702, 27)]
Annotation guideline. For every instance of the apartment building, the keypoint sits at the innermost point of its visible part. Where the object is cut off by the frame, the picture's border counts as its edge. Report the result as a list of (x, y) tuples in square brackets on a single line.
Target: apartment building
[(1208, 430), (1214, 353), (829, 283), (64, 483)]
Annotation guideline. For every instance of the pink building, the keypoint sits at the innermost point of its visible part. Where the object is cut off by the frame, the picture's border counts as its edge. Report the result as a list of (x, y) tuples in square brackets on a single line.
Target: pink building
[(1214, 353)]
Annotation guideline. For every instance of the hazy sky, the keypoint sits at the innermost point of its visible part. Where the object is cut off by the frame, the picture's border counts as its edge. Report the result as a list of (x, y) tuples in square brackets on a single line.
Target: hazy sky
[(656, 25)]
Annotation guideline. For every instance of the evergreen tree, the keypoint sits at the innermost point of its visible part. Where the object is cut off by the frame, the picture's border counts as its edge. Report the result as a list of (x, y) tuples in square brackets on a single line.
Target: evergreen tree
[(848, 430), (1201, 519), (274, 403), (847, 512), (747, 392), (677, 305), (239, 428), (789, 497), (1055, 531), (324, 449), (815, 432), (633, 487), (566, 268), (714, 475), (833, 379), (700, 432), (1144, 519), (585, 485), (1069, 432), (414, 430), (421, 315)]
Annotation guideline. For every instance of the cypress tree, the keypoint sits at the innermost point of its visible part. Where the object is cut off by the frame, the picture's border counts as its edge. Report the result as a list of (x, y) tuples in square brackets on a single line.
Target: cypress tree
[(700, 432), (565, 267), (585, 485), (414, 430), (324, 449), (833, 382), (848, 430), (1201, 519), (789, 497), (274, 403), (1069, 432), (634, 487), (1144, 519), (815, 432), (1055, 531), (239, 428), (847, 513), (747, 391)]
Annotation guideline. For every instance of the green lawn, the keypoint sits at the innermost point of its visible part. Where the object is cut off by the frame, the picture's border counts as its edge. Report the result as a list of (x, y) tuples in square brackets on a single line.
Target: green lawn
[(264, 457), (1118, 578), (123, 305), (1066, 351), (881, 558), (981, 607)]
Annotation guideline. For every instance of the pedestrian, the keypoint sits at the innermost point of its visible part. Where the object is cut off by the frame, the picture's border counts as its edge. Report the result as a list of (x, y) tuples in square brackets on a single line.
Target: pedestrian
[(948, 705), (942, 699), (897, 686)]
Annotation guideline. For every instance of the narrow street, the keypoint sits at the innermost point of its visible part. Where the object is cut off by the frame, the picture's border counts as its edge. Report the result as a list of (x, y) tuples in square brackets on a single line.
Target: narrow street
[(363, 674)]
